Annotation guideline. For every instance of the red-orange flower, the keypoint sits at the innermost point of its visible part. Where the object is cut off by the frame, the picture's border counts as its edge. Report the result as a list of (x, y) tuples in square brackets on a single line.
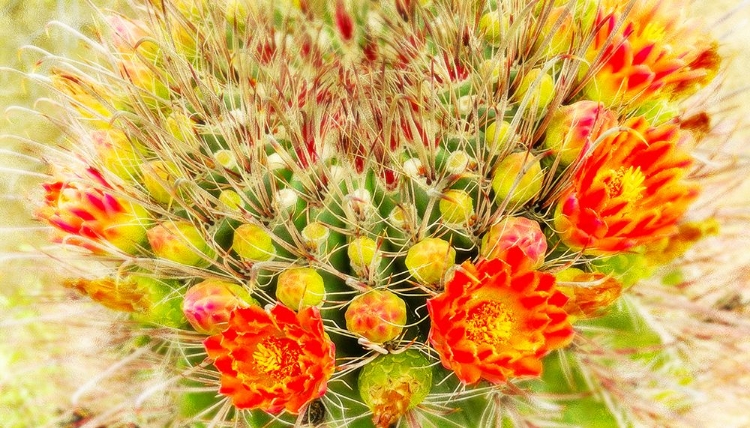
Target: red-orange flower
[(652, 50), (85, 210), (628, 192), (496, 320), (273, 360)]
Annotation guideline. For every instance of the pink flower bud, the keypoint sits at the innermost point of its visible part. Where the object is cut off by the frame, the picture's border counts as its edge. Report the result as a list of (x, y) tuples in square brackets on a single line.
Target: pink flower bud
[(576, 127), (518, 232), (208, 304)]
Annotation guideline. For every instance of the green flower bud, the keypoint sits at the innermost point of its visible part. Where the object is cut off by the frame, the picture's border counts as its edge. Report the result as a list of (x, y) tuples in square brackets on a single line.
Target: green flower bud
[(316, 236), (252, 242), (458, 162), (163, 302), (181, 242), (493, 26), (298, 288), (117, 153), (429, 260), (226, 159), (393, 384)]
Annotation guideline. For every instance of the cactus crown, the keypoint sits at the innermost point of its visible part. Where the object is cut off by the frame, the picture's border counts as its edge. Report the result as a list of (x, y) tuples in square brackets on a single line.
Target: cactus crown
[(380, 177)]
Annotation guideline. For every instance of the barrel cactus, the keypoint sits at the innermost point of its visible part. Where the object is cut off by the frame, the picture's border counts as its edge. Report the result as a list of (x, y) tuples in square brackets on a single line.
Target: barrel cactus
[(396, 213)]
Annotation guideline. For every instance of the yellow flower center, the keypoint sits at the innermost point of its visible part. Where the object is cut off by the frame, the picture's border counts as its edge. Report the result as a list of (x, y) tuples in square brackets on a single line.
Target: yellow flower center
[(626, 183), (277, 358), (491, 323)]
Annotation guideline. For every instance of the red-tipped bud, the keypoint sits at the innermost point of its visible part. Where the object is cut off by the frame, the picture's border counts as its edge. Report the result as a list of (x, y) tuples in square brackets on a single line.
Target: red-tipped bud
[(208, 305)]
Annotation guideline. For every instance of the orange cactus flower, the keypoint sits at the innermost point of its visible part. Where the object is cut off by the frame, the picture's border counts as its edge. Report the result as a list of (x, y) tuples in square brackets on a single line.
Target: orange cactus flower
[(629, 191), (497, 319), (273, 360), (85, 212), (655, 51)]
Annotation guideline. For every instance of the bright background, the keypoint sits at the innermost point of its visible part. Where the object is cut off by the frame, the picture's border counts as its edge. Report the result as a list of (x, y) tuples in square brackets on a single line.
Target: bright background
[(52, 343)]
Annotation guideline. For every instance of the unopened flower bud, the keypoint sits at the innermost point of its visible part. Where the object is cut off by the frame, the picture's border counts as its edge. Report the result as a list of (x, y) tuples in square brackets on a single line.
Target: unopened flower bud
[(231, 199), (159, 178), (180, 241), (574, 128), (377, 315), (493, 26), (429, 259), (316, 236), (117, 153), (538, 86), (456, 207), (518, 179), (362, 251), (208, 304), (163, 299), (86, 212), (393, 384), (459, 162), (298, 288), (498, 135), (518, 232), (252, 242)]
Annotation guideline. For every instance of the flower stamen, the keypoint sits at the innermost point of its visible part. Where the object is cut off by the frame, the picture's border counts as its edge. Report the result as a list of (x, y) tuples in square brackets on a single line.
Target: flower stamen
[(491, 323)]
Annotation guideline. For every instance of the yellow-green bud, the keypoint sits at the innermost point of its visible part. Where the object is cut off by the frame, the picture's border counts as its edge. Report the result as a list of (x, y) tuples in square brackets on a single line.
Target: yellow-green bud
[(456, 207), (226, 159), (300, 287), (237, 12), (164, 302), (315, 235), (506, 182), (492, 27), (159, 177), (181, 242), (490, 70), (231, 199), (429, 259), (542, 91), (182, 127), (252, 242), (497, 135), (362, 251), (117, 153), (459, 162)]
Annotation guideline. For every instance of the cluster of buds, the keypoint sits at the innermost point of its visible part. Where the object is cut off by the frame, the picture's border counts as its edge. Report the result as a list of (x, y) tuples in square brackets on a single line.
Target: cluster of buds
[(377, 194)]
